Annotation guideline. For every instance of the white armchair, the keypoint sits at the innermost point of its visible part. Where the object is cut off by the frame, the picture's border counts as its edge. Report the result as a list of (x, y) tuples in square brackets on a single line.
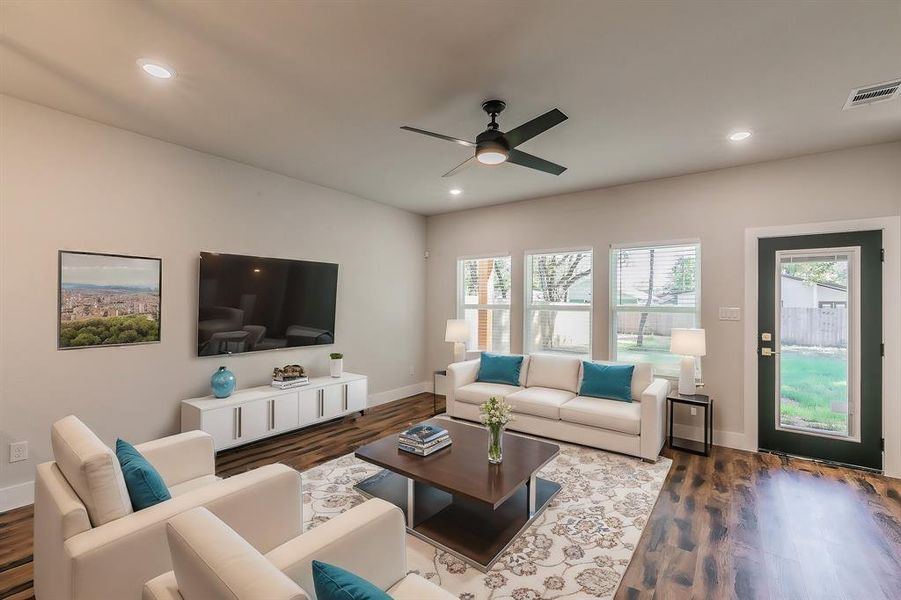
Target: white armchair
[(367, 540), (89, 544)]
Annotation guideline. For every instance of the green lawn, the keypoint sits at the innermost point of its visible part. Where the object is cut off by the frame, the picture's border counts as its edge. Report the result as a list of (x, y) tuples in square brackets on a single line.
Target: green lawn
[(813, 380)]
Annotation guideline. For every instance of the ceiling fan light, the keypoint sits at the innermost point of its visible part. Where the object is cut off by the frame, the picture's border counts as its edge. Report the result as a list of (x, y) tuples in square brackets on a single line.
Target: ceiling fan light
[(491, 155)]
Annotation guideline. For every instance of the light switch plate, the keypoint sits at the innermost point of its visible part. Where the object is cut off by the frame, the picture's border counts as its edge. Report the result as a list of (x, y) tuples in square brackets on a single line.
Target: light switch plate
[(730, 313)]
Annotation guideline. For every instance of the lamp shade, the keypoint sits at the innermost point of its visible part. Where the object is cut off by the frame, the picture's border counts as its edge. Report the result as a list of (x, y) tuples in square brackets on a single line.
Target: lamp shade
[(688, 342), (457, 331)]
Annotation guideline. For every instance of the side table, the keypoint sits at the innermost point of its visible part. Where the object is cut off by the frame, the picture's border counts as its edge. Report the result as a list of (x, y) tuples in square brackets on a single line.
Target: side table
[(692, 446), (435, 375)]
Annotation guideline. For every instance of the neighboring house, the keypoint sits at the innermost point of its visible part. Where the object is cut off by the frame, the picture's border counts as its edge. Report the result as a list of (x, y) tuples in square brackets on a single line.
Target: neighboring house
[(798, 293)]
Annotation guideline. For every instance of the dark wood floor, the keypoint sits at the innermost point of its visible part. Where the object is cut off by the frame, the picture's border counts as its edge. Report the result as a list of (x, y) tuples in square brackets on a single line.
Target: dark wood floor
[(735, 525)]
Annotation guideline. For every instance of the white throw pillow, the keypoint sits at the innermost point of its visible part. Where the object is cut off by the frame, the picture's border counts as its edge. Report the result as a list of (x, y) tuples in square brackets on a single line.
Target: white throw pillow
[(550, 371), (92, 470)]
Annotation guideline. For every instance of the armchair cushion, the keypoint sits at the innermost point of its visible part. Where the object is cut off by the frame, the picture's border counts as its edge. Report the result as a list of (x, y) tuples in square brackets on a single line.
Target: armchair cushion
[(335, 583), (144, 484), (91, 469), (212, 562)]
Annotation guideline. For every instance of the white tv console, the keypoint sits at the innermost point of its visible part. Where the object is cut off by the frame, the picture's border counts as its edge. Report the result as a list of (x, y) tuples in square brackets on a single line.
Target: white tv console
[(260, 412)]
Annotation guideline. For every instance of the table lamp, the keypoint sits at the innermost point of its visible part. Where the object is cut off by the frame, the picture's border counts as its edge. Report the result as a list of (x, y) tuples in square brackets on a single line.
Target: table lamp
[(458, 333), (690, 344)]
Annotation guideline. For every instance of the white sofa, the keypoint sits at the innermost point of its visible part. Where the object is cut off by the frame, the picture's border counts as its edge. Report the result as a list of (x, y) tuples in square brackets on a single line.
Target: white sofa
[(212, 562), (90, 545), (547, 403)]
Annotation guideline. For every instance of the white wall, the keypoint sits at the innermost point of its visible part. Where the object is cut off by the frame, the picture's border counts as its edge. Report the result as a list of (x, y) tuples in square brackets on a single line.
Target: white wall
[(70, 183), (714, 207)]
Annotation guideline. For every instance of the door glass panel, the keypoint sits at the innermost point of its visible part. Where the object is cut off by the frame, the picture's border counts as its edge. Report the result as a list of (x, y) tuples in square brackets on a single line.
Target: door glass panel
[(814, 327)]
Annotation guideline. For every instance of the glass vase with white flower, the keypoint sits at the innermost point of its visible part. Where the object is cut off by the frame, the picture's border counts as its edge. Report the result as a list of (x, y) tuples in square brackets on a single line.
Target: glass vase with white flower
[(494, 415)]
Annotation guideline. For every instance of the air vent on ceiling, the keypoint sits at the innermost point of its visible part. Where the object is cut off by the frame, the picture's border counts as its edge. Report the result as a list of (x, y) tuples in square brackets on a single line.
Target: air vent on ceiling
[(871, 94)]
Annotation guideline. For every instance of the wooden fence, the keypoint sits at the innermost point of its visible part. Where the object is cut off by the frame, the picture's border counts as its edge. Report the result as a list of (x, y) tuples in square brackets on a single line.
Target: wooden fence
[(825, 327)]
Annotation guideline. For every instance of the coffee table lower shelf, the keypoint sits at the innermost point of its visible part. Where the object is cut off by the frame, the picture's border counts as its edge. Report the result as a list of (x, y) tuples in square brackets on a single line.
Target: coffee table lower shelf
[(470, 530)]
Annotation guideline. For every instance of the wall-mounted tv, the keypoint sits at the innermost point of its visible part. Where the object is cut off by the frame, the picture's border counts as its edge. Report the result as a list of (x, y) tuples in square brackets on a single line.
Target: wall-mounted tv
[(249, 303)]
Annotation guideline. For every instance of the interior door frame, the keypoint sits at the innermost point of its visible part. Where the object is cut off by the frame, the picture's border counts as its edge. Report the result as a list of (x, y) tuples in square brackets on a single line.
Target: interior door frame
[(891, 299)]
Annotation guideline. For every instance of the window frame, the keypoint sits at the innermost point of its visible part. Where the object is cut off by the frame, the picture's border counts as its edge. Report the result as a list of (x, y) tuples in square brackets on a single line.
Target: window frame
[(614, 309), (461, 295), (527, 297)]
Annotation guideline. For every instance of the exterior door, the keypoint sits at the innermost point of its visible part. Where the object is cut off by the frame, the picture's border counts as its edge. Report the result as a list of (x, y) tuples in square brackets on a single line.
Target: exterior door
[(820, 347)]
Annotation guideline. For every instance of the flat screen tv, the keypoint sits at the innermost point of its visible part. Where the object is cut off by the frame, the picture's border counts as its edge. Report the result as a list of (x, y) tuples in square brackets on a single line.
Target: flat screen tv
[(249, 303)]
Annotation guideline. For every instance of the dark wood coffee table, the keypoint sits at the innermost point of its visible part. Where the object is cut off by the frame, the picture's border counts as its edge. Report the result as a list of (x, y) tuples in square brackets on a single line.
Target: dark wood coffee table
[(455, 499)]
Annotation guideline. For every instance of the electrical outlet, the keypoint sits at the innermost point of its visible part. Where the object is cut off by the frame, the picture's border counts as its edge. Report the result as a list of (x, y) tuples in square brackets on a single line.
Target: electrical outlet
[(412, 371), (694, 411), (18, 451)]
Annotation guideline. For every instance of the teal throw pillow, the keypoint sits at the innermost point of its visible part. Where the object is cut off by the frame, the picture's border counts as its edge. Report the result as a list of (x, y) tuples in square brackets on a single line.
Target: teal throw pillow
[(499, 368), (144, 483), (334, 583), (613, 382)]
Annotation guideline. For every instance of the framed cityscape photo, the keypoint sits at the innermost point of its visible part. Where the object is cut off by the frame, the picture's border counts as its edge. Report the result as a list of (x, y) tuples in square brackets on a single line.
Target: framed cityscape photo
[(108, 300)]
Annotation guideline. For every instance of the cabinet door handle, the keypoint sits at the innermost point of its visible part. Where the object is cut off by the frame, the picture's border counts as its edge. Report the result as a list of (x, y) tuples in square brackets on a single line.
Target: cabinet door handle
[(321, 403), (235, 423), (240, 419), (344, 400), (273, 414)]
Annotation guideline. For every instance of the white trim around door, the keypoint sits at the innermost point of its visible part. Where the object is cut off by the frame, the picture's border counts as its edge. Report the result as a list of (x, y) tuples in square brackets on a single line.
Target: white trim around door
[(891, 300)]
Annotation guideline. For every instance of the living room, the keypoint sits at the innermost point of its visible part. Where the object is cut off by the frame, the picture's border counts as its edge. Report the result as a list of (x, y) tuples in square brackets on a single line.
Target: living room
[(632, 401)]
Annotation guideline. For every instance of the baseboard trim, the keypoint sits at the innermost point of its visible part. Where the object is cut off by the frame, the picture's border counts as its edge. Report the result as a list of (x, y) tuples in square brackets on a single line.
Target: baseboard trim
[(729, 439), (398, 393), (14, 496)]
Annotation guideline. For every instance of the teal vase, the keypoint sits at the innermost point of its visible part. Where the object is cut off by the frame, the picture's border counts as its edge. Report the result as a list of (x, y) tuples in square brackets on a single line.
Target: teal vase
[(223, 383)]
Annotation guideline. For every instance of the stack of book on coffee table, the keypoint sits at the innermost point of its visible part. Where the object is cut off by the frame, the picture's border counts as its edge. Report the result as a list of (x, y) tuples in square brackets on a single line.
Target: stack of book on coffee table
[(424, 439)]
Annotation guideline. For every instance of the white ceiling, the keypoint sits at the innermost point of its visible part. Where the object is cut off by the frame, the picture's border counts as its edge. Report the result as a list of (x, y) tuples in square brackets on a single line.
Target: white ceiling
[(318, 90)]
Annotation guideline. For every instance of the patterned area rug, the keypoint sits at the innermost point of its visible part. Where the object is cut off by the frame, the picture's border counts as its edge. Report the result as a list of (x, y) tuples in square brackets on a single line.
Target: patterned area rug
[(579, 547)]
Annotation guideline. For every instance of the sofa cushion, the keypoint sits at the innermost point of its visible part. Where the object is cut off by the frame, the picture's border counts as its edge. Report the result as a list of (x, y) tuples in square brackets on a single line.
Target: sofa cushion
[(615, 415), (478, 392), (642, 376), (92, 470), (613, 382), (499, 368), (539, 401), (415, 587), (550, 371)]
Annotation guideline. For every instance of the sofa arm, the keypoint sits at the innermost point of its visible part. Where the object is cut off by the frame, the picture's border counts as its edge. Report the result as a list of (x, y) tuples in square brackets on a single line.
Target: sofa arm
[(182, 457), (262, 506), (368, 540), (653, 418)]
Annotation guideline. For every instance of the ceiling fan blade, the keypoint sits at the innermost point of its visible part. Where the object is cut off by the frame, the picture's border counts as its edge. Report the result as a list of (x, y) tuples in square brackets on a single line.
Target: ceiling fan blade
[(523, 159), (440, 137), (527, 131), (461, 167)]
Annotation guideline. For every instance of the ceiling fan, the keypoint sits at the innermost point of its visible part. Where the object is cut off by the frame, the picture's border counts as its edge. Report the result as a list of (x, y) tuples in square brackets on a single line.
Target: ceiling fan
[(494, 146)]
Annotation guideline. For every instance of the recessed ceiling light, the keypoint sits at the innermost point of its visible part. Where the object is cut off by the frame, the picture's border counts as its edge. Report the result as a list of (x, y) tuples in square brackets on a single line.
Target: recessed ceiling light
[(456, 192), (737, 136), (155, 69)]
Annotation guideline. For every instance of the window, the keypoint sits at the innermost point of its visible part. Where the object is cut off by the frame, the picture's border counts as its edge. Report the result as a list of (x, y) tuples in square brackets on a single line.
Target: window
[(652, 290), (483, 299), (557, 316)]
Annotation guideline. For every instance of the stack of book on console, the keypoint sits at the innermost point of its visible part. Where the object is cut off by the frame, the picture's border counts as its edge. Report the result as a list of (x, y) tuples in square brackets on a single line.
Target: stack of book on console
[(287, 384), (424, 439)]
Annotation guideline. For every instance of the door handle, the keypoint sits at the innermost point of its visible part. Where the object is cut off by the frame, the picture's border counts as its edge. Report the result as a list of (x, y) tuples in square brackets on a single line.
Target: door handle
[(321, 402), (344, 399), (768, 352), (235, 423), (240, 418)]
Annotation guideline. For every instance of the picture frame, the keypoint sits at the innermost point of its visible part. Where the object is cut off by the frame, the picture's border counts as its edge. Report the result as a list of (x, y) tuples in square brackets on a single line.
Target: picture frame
[(108, 300)]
